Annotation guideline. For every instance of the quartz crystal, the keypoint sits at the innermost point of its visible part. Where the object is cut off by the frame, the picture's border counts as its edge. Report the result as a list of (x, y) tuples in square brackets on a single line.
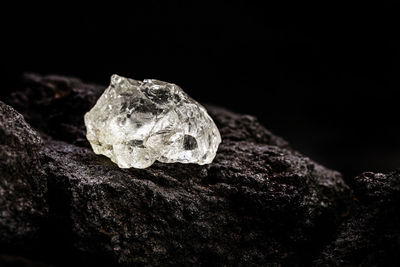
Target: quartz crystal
[(135, 123)]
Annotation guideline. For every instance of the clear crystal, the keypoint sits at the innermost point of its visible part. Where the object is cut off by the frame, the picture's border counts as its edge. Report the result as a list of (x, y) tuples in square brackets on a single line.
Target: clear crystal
[(135, 123)]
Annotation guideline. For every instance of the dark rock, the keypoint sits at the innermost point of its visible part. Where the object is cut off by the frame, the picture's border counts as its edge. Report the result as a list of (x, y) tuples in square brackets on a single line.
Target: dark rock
[(254, 204), (259, 202), (22, 180), (239, 127), (54, 104), (371, 236), (17, 261)]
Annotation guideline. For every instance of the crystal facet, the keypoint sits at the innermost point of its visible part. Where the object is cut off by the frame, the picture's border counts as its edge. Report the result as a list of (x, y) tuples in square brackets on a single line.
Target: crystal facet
[(135, 123)]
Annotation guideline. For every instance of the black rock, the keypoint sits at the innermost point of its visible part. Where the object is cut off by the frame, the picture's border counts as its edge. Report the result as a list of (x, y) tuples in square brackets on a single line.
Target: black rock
[(371, 236), (259, 202), (18, 261), (22, 182), (54, 104)]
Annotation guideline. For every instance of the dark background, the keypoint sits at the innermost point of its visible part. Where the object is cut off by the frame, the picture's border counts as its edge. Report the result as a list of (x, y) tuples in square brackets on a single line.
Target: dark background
[(323, 76)]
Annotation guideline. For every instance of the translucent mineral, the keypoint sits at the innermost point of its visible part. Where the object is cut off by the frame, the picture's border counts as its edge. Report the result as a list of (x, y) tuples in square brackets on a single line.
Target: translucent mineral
[(135, 123)]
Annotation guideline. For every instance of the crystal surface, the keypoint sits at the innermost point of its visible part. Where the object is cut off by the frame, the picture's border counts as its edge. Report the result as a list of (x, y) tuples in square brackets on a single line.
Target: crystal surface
[(135, 123)]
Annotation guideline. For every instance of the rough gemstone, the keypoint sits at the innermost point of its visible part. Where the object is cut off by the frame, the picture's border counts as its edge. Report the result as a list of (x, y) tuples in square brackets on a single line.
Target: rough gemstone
[(135, 123)]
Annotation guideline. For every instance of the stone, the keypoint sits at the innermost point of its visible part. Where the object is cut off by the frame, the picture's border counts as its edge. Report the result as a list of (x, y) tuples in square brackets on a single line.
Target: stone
[(258, 203), (23, 184), (371, 235), (135, 123), (40, 99)]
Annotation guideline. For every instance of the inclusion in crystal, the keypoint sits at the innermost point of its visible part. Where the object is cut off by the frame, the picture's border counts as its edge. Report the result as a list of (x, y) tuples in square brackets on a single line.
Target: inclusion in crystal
[(135, 123)]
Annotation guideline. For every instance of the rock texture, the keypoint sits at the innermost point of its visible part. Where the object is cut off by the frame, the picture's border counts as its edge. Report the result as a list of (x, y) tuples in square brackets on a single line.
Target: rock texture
[(22, 181), (258, 203), (371, 236)]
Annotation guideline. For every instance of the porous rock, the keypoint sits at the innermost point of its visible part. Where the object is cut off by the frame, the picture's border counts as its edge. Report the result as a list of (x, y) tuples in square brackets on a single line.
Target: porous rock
[(371, 235), (259, 202), (22, 180)]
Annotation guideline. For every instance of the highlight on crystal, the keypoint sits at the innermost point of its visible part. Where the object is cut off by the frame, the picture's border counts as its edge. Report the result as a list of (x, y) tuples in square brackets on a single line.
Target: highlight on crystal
[(135, 123)]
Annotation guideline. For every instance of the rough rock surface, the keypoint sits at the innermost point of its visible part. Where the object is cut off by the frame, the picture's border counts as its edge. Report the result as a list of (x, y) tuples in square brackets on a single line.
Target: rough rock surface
[(54, 105), (371, 236), (259, 202), (22, 181)]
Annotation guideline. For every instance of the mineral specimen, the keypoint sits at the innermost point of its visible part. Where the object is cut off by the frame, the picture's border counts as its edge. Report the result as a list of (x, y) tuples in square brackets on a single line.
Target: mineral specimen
[(135, 123)]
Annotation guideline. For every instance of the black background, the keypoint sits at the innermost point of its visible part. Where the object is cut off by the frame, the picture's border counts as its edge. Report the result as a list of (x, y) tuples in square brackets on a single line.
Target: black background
[(323, 76)]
